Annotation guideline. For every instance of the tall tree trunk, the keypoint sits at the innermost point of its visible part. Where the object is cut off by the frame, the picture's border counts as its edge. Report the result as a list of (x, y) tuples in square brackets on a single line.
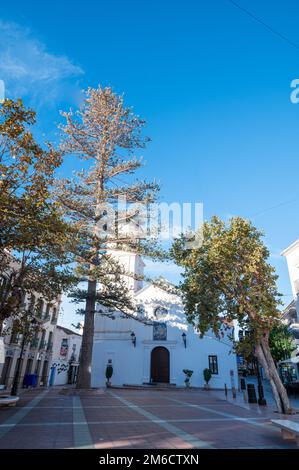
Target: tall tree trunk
[(84, 376), (263, 353)]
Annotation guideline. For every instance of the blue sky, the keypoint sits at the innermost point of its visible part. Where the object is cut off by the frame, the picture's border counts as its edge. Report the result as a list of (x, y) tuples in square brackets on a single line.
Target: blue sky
[(212, 83)]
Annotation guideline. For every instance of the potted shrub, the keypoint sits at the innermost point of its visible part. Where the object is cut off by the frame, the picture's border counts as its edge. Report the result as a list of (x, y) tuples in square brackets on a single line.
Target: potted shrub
[(207, 376), (188, 373), (109, 373)]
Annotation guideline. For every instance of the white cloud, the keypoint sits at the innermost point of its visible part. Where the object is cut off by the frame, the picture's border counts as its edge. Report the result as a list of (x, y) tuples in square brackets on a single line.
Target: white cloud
[(28, 69)]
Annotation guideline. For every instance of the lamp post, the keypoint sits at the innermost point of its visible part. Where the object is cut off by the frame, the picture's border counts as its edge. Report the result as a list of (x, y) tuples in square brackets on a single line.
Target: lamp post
[(261, 399), (15, 384)]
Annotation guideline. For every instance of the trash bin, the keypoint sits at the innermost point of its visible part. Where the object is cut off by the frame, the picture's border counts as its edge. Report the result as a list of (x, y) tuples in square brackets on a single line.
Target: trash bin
[(30, 380), (26, 380), (34, 380)]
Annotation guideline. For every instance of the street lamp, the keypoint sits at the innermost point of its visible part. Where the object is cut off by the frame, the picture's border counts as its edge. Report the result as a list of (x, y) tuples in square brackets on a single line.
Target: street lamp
[(133, 338), (261, 399)]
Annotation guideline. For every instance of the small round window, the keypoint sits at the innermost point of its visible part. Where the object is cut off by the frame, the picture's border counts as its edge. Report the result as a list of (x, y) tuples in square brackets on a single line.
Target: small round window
[(160, 313)]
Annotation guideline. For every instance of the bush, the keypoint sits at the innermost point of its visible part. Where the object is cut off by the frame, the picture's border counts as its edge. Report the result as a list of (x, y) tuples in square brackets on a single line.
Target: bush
[(207, 375), (188, 372)]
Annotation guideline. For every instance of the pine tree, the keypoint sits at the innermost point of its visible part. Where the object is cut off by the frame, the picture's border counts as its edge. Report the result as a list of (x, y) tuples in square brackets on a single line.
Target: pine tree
[(104, 134)]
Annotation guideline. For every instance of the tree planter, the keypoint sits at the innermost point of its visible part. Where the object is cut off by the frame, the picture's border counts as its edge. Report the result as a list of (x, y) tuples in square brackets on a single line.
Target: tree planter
[(188, 373), (207, 376), (109, 373)]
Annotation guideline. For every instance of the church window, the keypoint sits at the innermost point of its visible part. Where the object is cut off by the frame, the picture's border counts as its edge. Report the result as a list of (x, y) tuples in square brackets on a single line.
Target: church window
[(160, 312), (213, 364)]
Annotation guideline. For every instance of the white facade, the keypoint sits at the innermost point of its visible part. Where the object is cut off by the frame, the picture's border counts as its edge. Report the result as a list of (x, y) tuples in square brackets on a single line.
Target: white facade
[(292, 256), (291, 313), (66, 351), (34, 352), (37, 353), (143, 362)]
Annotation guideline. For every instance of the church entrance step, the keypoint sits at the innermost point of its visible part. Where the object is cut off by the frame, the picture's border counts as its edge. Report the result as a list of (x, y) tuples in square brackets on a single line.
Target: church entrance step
[(150, 386), (158, 384)]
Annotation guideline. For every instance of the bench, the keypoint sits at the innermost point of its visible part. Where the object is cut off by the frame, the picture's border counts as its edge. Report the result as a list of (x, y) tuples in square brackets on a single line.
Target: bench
[(8, 400), (289, 429)]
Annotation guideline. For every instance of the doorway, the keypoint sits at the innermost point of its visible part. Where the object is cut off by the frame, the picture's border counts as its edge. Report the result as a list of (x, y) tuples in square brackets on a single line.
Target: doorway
[(44, 379), (160, 365)]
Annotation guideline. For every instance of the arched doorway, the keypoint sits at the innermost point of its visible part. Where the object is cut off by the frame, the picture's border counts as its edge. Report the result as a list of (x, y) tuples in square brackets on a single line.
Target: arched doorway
[(160, 365)]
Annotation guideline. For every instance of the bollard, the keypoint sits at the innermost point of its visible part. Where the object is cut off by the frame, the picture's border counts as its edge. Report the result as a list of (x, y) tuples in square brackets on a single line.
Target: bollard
[(232, 380), (261, 399), (251, 393), (225, 390)]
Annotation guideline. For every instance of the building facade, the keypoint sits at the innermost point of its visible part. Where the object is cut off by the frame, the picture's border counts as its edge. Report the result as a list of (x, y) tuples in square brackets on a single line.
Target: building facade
[(35, 355), (291, 312), (65, 359), (157, 343)]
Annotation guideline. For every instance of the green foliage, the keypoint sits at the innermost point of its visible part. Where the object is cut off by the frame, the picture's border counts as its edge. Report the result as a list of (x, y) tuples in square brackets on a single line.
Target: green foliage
[(228, 277), (105, 134), (34, 239), (245, 347), (281, 342), (207, 375), (188, 372)]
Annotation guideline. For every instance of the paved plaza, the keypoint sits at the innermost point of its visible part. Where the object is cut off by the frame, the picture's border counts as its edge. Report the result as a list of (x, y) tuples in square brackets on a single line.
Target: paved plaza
[(131, 419)]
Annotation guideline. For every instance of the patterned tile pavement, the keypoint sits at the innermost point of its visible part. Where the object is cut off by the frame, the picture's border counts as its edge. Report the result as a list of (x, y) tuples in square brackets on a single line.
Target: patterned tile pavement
[(132, 419)]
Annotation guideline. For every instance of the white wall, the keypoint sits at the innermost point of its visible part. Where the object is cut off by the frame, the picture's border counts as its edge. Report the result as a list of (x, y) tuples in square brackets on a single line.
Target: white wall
[(132, 364), (292, 256), (60, 362)]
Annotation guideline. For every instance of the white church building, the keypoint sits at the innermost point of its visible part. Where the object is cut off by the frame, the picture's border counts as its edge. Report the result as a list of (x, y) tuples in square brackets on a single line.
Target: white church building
[(158, 344)]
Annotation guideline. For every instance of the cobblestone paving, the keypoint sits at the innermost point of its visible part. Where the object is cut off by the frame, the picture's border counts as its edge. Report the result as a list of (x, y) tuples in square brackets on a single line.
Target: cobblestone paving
[(119, 418)]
